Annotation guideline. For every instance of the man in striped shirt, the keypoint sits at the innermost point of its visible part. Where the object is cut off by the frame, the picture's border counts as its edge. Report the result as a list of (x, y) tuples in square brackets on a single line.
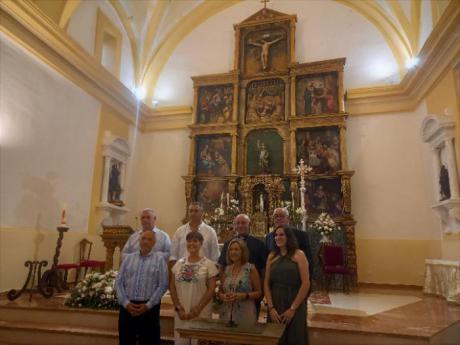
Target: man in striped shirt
[(140, 284)]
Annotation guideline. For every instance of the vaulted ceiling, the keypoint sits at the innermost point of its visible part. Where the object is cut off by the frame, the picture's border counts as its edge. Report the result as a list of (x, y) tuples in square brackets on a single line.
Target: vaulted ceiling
[(160, 32)]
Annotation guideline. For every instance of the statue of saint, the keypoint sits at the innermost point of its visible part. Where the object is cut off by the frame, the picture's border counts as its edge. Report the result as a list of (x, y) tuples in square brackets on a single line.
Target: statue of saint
[(114, 184), (264, 49), (444, 189)]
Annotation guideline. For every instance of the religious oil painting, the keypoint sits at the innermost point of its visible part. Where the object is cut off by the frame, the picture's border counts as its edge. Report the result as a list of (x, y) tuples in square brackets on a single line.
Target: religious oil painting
[(215, 104), (214, 155), (211, 194), (317, 94), (264, 153), (324, 195), (265, 101), (319, 147), (265, 50)]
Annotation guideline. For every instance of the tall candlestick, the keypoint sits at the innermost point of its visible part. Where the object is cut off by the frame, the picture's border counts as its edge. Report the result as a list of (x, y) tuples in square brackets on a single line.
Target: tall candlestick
[(261, 200), (292, 197), (222, 200), (228, 200)]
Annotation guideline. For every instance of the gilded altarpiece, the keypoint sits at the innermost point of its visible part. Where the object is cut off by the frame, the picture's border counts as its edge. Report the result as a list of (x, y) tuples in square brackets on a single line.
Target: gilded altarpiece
[(252, 125)]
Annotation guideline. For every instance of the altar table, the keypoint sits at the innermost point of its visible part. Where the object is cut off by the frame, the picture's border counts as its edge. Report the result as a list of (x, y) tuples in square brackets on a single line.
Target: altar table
[(442, 277), (217, 330)]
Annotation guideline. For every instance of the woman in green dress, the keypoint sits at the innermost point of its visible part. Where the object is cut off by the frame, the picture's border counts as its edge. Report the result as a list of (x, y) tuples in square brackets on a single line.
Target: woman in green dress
[(286, 287)]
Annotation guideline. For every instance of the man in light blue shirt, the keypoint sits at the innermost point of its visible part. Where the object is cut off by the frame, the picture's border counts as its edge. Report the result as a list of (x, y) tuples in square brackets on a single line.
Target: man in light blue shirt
[(140, 284), (163, 243)]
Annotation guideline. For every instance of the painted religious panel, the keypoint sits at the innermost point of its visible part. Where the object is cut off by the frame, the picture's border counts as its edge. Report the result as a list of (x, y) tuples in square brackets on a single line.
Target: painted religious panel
[(211, 194), (324, 195), (319, 147), (317, 94), (264, 153), (213, 155), (215, 104), (265, 101), (266, 50)]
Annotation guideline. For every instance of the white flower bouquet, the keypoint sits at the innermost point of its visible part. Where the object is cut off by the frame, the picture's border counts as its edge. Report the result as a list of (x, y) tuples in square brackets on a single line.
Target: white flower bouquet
[(95, 291), (325, 225), (295, 215)]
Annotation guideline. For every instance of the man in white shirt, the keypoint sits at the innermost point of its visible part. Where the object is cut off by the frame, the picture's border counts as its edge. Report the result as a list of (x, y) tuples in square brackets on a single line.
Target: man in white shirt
[(162, 244), (210, 247)]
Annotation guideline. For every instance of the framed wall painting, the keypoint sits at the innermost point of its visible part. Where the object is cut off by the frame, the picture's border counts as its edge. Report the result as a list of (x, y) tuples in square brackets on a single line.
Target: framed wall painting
[(317, 93), (319, 147), (213, 155), (211, 193), (264, 153), (215, 104), (265, 101), (324, 195)]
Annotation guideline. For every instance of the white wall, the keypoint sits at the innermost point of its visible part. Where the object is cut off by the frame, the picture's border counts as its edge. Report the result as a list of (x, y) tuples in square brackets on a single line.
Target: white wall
[(392, 188), (161, 159), (49, 129), (82, 28), (325, 30)]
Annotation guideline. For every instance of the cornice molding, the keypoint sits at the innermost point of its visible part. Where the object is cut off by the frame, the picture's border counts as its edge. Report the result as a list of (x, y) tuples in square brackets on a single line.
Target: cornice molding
[(26, 24), (440, 53), (167, 118)]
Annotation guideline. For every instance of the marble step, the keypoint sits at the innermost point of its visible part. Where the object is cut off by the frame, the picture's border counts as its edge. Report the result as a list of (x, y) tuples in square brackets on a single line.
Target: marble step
[(83, 318), (26, 333)]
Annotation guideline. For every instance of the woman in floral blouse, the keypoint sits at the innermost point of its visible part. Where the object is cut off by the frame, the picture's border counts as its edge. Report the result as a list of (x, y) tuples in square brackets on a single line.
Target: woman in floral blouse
[(192, 284)]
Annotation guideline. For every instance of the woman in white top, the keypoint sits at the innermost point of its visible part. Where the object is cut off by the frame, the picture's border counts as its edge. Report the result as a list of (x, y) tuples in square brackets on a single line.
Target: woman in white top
[(192, 284)]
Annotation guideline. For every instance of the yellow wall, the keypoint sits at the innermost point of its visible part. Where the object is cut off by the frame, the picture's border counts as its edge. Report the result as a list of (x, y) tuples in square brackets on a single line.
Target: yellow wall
[(109, 121), (399, 262), (446, 94)]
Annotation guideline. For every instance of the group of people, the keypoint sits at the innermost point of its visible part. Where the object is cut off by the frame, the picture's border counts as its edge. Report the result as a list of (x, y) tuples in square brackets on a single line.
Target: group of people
[(245, 271)]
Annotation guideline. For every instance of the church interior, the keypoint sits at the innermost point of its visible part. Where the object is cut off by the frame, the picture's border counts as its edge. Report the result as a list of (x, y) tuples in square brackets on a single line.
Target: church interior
[(108, 107)]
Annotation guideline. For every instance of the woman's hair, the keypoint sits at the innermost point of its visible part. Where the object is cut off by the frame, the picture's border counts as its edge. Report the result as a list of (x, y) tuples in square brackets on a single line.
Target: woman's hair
[(291, 241), (244, 251), (194, 235)]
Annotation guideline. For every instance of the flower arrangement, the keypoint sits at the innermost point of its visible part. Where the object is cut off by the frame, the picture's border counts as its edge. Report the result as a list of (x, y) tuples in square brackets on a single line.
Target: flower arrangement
[(325, 225), (295, 215), (95, 291)]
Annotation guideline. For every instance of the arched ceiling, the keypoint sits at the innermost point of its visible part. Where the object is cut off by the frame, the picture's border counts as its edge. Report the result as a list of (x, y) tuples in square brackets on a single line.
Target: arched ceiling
[(157, 27)]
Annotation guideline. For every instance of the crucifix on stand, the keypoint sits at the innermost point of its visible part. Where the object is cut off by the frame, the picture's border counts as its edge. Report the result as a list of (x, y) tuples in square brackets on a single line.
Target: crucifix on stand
[(303, 170)]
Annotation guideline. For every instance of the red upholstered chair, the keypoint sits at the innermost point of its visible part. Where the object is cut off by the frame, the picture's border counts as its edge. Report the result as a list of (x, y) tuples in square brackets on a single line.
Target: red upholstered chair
[(333, 263), (84, 263), (85, 254)]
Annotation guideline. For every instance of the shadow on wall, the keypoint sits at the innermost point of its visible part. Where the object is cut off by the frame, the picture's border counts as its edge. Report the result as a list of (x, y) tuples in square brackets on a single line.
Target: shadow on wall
[(38, 207)]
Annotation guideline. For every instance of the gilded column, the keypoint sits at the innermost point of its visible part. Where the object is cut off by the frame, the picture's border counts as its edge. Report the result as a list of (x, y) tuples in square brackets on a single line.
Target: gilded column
[(191, 163), (293, 150), (234, 151), (343, 147)]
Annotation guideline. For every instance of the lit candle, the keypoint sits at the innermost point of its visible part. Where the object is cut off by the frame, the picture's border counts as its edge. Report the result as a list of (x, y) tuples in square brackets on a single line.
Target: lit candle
[(292, 197), (261, 200), (64, 215), (222, 200), (228, 199)]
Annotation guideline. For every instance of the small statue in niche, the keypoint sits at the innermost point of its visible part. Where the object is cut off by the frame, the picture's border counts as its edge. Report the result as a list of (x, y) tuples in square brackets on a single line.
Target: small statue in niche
[(444, 183), (264, 45), (114, 185), (264, 157)]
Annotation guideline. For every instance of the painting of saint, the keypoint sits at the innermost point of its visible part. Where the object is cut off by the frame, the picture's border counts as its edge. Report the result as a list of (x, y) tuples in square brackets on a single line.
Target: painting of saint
[(324, 195), (319, 147), (265, 101), (214, 155), (209, 193), (317, 94), (215, 104), (264, 153)]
